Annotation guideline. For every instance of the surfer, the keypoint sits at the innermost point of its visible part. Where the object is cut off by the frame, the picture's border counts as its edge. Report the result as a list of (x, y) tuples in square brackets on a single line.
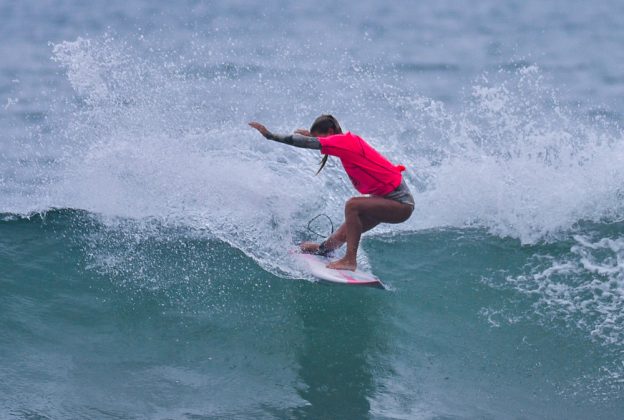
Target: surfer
[(386, 199)]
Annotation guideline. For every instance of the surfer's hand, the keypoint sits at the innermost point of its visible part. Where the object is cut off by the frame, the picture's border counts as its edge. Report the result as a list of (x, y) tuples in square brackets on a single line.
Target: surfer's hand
[(262, 129), (303, 132)]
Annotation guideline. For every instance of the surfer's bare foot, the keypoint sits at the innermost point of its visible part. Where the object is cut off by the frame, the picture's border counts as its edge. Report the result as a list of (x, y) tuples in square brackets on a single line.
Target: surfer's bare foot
[(343, 264), (309, 247)]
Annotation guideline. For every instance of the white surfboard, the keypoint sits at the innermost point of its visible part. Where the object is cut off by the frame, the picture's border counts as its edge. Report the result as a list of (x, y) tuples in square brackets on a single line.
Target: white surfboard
[(317, 266)]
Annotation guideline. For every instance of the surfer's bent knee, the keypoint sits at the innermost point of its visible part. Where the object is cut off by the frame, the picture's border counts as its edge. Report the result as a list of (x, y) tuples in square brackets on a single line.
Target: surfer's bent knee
[(351, 204)]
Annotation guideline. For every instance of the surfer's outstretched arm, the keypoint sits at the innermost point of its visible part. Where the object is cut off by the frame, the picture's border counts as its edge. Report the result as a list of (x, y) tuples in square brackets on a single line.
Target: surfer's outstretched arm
[(297, 140)]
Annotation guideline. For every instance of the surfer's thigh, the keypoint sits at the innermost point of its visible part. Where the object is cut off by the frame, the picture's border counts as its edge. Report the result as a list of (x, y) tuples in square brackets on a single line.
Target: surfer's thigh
[(375, 210)]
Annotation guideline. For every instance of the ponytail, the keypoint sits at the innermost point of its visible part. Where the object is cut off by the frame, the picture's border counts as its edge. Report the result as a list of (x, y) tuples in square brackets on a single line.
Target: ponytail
[(323, 162)]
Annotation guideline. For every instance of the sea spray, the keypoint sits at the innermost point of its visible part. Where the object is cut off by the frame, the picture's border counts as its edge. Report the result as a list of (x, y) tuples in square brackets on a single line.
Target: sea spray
[(153, 136)]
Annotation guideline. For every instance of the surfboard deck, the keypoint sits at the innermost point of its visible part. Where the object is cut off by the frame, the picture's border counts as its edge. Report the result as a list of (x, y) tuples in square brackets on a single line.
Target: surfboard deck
[(317, 266)]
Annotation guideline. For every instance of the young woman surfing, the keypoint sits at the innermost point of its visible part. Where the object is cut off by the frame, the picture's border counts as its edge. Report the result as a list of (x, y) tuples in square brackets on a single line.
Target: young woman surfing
[(387, 199)]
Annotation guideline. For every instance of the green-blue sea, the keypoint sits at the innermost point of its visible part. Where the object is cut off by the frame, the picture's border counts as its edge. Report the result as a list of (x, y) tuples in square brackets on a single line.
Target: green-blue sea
[(146, 231)]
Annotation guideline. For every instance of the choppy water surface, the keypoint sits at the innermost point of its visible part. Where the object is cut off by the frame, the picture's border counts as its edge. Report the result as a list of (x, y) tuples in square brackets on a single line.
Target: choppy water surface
[(145, 229)]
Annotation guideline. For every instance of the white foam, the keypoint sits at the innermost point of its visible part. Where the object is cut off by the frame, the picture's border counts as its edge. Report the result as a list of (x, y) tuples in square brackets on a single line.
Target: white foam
[(163, 135), (514, 161), (584, 288)]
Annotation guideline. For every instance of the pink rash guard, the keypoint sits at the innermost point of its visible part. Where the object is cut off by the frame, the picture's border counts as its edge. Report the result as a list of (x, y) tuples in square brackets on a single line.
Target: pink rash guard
[(369, 171)]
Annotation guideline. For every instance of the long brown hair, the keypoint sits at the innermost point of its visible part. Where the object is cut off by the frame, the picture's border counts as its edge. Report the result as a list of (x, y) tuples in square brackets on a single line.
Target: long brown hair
[(322, 125)]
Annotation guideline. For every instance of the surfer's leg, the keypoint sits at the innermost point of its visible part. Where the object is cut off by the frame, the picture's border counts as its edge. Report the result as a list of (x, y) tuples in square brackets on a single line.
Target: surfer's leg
[(361, 212), (336, 239)]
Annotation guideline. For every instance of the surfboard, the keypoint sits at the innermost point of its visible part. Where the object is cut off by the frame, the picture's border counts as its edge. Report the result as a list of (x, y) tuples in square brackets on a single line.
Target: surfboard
[(317, 266)]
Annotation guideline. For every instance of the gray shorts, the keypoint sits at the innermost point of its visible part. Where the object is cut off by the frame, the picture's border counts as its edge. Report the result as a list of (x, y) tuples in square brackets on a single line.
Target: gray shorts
[(401, 194)]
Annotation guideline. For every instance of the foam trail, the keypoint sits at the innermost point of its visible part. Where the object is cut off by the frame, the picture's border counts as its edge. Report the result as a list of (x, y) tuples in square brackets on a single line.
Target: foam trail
[(582, 288)]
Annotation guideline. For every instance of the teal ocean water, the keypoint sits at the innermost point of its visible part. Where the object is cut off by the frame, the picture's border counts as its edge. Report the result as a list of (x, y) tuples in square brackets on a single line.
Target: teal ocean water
[(145, 229)]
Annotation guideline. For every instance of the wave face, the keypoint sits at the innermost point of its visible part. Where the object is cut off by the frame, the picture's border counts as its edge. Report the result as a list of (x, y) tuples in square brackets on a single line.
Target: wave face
[(134, 318), (145, 228)]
